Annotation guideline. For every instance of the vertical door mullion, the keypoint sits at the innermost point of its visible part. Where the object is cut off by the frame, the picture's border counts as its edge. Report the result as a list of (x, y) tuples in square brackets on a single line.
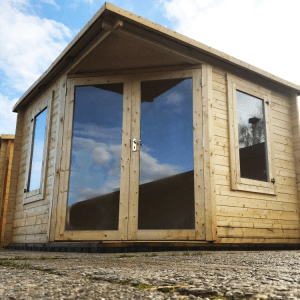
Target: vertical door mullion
[(134, 159), (198, 156), (125, 161)]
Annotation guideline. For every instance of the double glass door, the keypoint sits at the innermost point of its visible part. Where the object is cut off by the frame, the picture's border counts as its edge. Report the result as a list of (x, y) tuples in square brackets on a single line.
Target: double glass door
[(131, 171)]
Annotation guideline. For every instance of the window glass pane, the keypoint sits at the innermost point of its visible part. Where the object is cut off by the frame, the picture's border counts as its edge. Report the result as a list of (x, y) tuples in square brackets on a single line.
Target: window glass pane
[(94, 187), (252, 137), (166, 191), (37, 152)]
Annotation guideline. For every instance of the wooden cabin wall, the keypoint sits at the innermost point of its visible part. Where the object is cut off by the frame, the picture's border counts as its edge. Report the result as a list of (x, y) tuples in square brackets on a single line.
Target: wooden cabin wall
[(6, 157), (31, 220), (245, 217)]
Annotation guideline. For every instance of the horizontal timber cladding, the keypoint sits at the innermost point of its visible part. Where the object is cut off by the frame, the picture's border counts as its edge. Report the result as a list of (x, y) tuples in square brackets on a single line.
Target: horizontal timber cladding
[(242, 217), (31, 220), (248, 217)]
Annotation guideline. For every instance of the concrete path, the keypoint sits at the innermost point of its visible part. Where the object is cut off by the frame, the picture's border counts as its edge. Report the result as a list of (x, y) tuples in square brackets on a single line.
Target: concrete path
[(162, 275)]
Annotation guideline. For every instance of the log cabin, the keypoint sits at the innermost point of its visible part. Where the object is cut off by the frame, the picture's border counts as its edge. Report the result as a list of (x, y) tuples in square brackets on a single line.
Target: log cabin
[(138, 134), (6, 157)]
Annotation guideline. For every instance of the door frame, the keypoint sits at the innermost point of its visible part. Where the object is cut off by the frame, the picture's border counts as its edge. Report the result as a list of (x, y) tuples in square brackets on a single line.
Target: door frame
[(205, 207), (65, 164), (199, 232)]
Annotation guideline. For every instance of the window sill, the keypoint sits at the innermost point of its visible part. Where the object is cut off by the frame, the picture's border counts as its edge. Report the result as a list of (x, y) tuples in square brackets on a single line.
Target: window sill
[(32, 196), (255, 188)]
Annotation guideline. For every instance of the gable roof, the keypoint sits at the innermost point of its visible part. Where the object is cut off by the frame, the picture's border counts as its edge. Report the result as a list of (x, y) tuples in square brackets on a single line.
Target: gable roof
[(109, 11)]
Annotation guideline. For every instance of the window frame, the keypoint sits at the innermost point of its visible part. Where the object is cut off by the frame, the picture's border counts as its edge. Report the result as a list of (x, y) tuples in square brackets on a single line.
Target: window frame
[(237, 182), (38, 194)]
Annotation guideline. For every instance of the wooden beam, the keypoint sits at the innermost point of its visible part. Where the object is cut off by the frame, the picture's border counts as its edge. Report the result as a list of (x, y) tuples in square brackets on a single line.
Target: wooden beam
[(57, 158), (209, 160), (134, 161), (107, 30), (7, 137), (295, 108), (198, 156), (109, 27), (136, 71), (79, 61), (157, 42)]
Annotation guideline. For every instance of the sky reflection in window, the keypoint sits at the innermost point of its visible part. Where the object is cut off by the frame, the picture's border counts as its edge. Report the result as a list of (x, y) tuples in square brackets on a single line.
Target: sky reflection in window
[(38, 150), (97, 142)]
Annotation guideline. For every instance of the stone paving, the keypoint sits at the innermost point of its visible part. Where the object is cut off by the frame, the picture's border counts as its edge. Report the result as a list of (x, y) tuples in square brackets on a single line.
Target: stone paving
[(162, 275)]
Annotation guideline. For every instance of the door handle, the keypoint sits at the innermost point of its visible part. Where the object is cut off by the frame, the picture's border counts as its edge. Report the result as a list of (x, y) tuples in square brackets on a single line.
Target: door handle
[(134, 143)]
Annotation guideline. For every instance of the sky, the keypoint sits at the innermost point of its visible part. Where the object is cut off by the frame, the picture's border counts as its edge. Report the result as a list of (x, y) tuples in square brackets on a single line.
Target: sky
[(33, 33), (166, 133)]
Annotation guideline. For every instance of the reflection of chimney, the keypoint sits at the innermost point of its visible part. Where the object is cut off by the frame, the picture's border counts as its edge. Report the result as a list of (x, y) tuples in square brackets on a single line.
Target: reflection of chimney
[(254, 121)]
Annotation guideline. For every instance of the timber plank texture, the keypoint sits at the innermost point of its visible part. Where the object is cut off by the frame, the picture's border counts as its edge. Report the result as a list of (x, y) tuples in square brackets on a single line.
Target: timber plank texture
[(245, 217), (30, 221), (6, 159)]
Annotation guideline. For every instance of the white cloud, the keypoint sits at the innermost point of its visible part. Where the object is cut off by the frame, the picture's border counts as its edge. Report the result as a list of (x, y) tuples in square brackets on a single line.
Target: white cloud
[(89, 153), (101, 156), (52, 2), (29, 44), (7, 118), (175, 98), (151, 169), (89, 193), (260, 32), (113, 135)]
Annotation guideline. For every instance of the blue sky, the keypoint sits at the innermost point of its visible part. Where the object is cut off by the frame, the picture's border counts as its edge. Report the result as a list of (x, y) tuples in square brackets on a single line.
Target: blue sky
[(33, 33), (166, 133)]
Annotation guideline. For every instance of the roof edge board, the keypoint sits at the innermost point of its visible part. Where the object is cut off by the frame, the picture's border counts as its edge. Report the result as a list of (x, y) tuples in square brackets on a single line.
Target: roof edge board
[(183, 47), (195, 44)]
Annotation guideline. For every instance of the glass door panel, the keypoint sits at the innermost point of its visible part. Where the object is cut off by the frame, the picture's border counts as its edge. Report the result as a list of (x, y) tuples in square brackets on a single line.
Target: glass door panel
[(166, 183), (94, 185)]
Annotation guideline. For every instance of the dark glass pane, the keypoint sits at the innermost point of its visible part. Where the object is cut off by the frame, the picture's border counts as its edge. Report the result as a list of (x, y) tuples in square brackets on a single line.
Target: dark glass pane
[(166, 192), (94, 188), (252, 137), (37, 151)]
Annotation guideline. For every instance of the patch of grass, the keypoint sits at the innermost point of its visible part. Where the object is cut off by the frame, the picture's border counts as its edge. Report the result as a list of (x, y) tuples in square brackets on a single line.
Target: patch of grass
[(25, 266), (150, 255), (7, 263), (20, 258), (122, 282), (186, 253), (166, 290), (206, 253), (44, 257), (89, 278), (197, 253), (144, 286), (124, 255), (174, 254), (125, 282)]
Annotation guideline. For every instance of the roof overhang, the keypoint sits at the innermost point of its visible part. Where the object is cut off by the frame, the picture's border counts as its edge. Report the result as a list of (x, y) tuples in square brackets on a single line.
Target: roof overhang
[(111, 18)]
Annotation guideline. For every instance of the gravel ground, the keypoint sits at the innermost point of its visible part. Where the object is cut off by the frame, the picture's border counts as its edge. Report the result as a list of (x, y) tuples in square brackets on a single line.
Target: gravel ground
[(163, 275)]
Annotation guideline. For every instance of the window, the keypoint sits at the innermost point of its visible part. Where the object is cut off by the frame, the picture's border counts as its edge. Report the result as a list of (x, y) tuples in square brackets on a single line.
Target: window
[(37, 153), (252, 167)]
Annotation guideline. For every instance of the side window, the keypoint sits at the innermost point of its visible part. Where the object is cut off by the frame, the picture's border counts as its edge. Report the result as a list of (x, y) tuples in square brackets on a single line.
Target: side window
[(37, 153), (250, 134), (252, 137)]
